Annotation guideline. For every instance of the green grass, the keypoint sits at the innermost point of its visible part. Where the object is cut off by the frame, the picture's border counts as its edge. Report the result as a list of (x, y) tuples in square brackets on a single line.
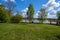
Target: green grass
[(29, 32)]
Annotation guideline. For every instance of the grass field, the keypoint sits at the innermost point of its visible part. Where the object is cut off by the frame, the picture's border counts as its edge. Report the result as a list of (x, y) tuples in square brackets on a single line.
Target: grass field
[(29, 32)]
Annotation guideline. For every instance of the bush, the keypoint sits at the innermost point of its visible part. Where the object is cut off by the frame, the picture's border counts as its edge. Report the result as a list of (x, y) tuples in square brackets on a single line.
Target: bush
[(16, 19)]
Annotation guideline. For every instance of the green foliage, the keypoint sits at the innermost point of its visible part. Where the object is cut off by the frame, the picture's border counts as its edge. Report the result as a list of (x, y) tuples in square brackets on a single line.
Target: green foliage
[(11, 8), (30, 12), (42, 15), (16, 19), (4, 17)]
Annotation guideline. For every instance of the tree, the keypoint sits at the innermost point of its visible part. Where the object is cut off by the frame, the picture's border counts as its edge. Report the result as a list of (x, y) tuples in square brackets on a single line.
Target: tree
[(4, 17), (39, 16), (10, 6), (30, 12), (16, 19), (42, 15), (58, 17)]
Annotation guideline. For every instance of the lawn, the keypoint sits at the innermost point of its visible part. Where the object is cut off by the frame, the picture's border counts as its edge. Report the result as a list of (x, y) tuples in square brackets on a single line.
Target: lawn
[(29, 32)]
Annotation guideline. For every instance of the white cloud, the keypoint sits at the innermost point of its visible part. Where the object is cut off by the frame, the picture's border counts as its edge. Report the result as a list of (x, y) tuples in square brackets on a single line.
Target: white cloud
[(51, 5), (12, 0), (50, 8), (36, 15), (9, 0), (51, 16), (24, 11), (6, 0)]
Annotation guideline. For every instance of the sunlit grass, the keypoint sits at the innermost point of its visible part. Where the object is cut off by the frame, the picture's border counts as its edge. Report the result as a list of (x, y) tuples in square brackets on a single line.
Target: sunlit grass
[(29, 32)]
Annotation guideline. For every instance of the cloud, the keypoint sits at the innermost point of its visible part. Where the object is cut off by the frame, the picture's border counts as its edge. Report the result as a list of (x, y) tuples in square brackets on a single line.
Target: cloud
[(6, 0), (36, 15), (51, 16), (24, 11), (52, 3), (9, 0), (52, 7), (12, 0)]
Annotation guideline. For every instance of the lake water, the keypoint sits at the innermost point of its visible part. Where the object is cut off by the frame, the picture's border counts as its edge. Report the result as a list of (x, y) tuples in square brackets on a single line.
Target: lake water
[(37, 21)]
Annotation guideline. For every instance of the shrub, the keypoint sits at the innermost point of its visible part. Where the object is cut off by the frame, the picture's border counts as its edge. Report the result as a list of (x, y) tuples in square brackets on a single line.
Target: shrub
[(16, 19)]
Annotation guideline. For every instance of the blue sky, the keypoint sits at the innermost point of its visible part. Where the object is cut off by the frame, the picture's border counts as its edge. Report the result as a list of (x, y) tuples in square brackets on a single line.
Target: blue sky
[(36, 3), (51, 5)]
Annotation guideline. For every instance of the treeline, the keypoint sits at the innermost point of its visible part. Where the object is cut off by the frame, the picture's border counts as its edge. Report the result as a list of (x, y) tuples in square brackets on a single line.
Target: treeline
[(7, 14)]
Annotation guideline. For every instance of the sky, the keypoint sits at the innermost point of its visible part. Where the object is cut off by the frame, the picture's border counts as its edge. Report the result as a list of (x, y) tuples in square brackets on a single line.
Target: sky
[(22, 5)]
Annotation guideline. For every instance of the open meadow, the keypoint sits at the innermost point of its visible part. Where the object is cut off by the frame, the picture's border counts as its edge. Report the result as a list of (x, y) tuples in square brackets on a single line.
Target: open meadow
[(29, 32)]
